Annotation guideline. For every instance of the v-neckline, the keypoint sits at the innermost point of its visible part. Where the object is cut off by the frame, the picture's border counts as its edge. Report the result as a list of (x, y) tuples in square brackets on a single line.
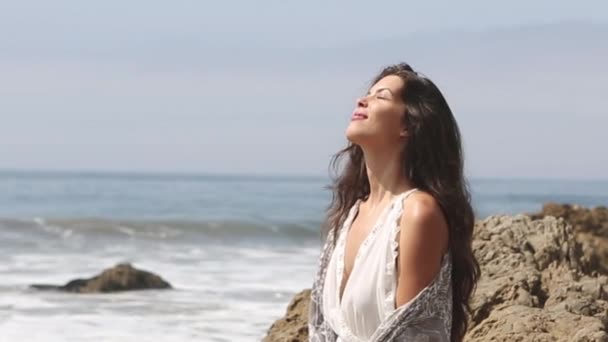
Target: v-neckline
[(342, 290)]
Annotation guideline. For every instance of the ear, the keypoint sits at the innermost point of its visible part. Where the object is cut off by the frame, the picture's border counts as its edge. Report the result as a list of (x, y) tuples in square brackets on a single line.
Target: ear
[(404, 133)]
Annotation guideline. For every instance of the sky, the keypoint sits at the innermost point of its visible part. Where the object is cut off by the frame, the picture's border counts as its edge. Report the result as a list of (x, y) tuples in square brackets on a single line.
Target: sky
[(267, 87)]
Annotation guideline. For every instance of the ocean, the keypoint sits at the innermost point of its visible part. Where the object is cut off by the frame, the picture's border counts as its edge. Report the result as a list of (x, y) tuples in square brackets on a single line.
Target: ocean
[(235, 248)]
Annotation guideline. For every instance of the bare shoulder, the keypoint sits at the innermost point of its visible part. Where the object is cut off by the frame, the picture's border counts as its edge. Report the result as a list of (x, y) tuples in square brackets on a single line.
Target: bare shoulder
[(424, 223), (420, 205), (423, 239)]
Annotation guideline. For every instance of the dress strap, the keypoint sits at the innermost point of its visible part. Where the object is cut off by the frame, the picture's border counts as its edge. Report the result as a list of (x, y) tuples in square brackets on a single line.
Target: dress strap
[(406, 194), (390, 270)]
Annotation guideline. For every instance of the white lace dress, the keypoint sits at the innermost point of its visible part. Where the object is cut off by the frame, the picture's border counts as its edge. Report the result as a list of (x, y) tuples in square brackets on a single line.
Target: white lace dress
[(368, 299)]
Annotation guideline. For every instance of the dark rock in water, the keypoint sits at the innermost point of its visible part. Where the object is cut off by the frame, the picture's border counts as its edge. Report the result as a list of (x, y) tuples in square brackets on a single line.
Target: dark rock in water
[(122, 277)]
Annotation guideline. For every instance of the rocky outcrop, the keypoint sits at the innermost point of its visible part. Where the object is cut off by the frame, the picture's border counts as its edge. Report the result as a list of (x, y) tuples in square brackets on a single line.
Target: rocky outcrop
[(293, 327), (590, 229), (539, 282), (592, 220), (535, 285), (122, 277)]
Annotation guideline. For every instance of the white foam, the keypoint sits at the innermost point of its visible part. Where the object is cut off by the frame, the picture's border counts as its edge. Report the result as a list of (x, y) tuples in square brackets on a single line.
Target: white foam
[(222, 293)]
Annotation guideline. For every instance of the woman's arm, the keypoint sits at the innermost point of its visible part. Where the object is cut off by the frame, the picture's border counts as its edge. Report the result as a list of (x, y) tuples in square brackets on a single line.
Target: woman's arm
[(423, 239)]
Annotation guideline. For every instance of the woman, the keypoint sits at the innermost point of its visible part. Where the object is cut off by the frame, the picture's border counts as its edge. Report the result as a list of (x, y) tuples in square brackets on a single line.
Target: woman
[(397, 263)]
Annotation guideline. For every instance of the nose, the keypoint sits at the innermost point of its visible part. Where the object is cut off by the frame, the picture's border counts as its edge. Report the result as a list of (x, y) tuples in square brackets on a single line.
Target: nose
[(362, 101)]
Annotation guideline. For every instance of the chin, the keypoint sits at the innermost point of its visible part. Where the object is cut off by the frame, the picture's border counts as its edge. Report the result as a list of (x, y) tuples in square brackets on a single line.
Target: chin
[(356, 135)]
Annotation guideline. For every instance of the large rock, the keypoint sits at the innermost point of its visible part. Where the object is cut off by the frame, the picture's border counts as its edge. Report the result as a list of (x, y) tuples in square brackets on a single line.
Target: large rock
[(538, 283), (525, 324), (122, 277), (535, 285)]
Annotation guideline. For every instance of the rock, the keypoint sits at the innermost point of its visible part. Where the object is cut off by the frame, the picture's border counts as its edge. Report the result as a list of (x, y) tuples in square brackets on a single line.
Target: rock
[(293, 327), (590, 228), (523, 323), (538, 282), (582, 219), (122, 277), (534, 286)]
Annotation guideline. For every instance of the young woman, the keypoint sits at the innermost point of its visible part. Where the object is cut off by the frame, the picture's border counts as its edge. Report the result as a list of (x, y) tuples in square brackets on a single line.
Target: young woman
[(397, 262)]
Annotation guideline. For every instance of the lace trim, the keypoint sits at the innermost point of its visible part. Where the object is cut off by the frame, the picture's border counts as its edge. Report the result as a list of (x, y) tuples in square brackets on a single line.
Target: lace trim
[(369, 239), (318, 327), (433, 300), (343, 328), (348, 334), (341, 247), (388, 213), (389, 274)]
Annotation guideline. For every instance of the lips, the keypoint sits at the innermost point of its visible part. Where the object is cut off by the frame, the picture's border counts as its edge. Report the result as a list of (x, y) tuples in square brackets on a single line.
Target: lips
[(359, 116)]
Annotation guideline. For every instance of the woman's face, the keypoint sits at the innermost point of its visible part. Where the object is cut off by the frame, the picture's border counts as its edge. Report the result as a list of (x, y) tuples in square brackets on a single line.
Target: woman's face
[(377, 119)]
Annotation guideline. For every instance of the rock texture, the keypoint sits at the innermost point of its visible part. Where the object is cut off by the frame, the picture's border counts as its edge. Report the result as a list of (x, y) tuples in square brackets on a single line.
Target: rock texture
[(535, 285), (590, 229), (122, 277), (543, 279), (293, 327)]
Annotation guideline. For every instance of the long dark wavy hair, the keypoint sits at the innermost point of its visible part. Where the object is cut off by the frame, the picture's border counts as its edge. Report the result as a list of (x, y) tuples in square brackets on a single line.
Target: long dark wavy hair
[(433, 162)]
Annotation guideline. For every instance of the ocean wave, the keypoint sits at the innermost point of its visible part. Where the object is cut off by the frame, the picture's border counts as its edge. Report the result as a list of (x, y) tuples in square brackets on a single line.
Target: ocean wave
[(68, 228)]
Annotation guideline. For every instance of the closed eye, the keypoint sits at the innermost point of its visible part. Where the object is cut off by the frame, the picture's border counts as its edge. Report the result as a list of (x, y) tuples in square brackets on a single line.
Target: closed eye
[(384, 94)]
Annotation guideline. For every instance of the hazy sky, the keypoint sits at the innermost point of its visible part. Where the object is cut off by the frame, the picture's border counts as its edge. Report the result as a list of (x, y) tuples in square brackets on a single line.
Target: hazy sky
[(268, 86)]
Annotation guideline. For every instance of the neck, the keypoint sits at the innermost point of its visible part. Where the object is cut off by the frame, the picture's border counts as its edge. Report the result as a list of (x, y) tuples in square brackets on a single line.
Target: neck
[(385, 173)]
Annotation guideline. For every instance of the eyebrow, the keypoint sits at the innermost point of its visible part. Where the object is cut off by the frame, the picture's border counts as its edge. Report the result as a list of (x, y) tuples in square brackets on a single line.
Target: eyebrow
[(379, 90)]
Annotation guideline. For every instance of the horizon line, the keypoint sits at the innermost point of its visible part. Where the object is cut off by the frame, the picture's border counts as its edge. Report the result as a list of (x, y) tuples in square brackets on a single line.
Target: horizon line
[(252, 174)]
